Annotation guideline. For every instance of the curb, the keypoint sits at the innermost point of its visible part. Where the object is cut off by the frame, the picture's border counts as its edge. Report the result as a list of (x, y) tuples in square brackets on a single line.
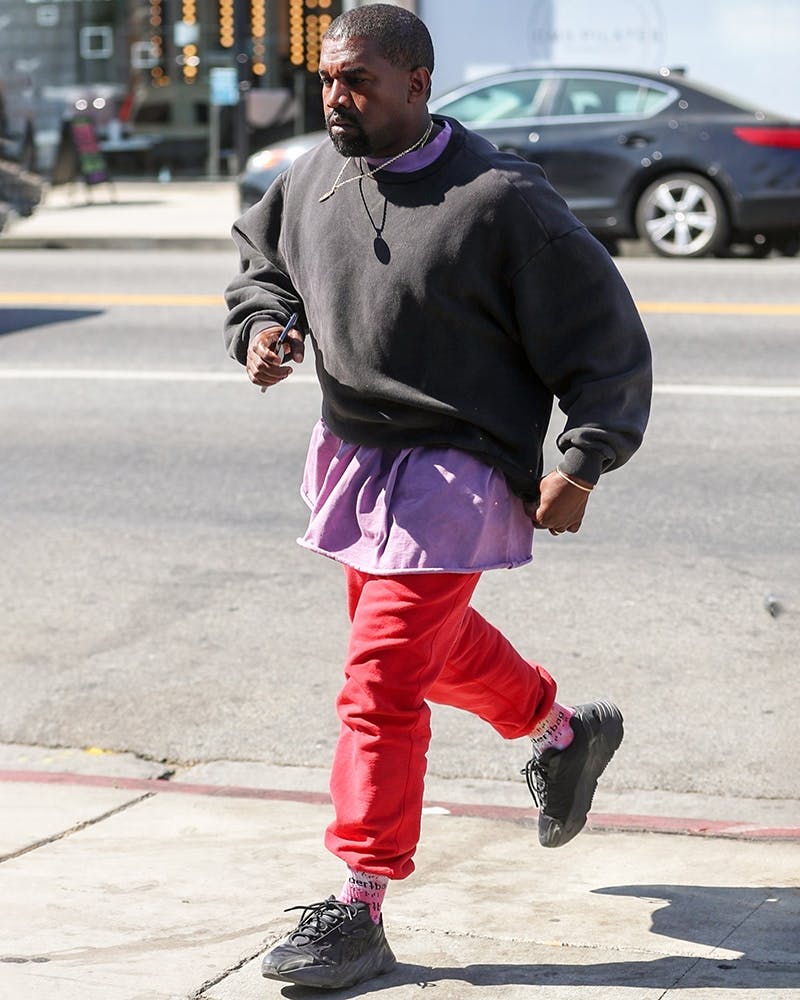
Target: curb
[(628, 249), (605, 822)]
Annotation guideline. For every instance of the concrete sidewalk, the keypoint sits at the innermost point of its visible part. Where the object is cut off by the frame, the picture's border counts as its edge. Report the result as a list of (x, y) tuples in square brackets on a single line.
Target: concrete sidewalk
[(129, 215), (123, 881), (139, 214)]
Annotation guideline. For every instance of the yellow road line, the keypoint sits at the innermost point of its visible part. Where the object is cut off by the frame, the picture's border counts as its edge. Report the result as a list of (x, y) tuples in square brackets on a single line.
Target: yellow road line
[(106, 299), (722, 308), (145, 299)]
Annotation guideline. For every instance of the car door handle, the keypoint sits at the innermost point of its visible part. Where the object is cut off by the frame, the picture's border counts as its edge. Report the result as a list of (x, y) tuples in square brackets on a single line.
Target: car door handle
[(635, 139)]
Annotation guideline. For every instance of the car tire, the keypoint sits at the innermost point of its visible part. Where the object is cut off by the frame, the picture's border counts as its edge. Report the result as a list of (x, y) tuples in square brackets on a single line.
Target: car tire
[(682, 215)]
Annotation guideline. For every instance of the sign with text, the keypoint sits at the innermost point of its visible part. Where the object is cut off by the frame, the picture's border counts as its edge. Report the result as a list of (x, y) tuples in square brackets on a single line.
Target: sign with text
[(79, 154), (224, 86)]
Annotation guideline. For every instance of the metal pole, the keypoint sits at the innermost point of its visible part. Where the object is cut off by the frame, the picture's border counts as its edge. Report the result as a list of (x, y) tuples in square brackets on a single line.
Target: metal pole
[(241, 35), (213, 142), (301, 97)]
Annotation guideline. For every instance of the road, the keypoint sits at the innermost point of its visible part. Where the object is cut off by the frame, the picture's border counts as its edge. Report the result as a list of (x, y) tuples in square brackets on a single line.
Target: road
[(154, 600)]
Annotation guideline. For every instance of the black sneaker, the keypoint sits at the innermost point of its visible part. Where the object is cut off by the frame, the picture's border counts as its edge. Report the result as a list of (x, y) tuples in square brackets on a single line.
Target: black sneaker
[(335, 945), (563, 782)]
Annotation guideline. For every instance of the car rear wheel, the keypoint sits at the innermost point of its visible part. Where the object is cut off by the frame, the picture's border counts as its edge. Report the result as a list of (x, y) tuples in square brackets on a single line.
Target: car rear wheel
[(682, 215)]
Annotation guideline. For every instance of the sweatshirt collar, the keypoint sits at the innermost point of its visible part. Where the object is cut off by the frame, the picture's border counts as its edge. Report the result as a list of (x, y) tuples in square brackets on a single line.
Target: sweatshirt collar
[(420, 158)]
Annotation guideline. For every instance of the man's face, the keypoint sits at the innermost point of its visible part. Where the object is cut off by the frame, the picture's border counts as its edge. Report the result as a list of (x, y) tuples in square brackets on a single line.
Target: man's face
[(365, 99)]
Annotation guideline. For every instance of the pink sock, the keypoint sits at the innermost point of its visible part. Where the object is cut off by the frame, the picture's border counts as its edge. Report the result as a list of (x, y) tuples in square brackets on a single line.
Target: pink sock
[(363, 887), (554, 730)]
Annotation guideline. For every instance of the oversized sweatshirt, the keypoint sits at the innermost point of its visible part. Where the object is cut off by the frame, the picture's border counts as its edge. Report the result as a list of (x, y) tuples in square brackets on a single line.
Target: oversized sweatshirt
[(448, 307)]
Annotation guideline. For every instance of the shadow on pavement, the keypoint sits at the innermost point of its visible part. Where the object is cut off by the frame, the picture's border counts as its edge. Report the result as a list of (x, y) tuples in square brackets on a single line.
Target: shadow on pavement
[(756, 922), (16, 320), (667, 973), (760, 918), (131, 203)]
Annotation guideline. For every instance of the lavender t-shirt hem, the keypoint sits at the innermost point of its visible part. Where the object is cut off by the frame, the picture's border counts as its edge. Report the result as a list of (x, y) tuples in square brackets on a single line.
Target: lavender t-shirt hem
[(413, 510)]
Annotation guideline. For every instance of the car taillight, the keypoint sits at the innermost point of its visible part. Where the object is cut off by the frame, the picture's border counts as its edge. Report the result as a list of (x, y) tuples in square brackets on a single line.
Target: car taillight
[(785, 138)]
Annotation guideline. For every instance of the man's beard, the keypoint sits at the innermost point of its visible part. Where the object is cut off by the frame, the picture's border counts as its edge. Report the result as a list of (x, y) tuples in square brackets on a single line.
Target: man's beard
[(355, 144)]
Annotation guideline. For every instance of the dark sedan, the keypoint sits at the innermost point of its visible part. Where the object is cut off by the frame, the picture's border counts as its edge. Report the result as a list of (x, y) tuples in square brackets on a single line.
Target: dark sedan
[(649, 155)]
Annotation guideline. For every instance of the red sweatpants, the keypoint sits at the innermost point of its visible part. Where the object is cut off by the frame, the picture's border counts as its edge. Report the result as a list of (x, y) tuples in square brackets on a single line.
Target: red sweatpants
[(414, 639)]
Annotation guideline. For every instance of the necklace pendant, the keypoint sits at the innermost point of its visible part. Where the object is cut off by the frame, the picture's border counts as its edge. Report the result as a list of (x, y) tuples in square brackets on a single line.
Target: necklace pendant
[(328, 194), (381, 249)]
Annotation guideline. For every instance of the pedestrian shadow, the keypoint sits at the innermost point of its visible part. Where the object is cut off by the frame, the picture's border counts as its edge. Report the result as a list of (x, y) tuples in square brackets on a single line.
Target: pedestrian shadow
[(758, 918), (761, 924), (17, 320)]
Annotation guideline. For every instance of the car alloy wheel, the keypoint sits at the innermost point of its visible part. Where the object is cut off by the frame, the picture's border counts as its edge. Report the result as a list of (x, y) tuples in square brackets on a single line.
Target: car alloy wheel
[(682, 215)]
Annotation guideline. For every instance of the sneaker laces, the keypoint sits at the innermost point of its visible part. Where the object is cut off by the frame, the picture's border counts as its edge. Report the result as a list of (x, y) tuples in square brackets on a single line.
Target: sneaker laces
[(319, 918), (536, 778)]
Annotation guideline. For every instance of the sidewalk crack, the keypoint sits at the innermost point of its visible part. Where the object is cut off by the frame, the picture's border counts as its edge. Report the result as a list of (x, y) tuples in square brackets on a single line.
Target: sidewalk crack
[(216, 980), (710, 957), (77, 828)]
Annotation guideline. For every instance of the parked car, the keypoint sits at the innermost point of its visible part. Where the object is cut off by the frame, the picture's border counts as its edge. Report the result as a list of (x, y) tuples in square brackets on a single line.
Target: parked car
[(636, 155), (263, 167), (20, 191)]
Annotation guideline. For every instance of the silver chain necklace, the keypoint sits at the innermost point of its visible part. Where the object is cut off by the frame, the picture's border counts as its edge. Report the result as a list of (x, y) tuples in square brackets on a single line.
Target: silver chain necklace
[(360, 177)]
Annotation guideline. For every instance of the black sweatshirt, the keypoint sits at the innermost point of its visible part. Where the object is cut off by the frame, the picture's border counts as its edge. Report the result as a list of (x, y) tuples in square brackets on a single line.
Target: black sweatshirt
[(447, 307)]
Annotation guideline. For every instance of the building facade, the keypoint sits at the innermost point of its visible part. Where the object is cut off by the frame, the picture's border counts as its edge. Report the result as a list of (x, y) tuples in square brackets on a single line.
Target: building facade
[(158, 67)]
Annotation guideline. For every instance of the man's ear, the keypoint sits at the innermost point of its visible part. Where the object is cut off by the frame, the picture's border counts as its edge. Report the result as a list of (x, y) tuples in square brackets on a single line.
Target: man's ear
[(419, 82)]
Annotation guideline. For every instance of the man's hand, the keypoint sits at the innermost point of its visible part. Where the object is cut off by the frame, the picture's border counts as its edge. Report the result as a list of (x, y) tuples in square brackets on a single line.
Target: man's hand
[(264, 366), (561, 504)]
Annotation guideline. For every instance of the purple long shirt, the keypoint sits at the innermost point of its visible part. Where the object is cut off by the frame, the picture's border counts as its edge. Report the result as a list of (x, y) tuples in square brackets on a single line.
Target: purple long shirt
[(416, 510)]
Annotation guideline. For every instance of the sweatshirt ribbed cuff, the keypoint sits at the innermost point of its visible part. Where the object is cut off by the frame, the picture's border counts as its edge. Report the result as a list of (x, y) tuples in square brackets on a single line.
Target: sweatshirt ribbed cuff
[(585, 465), (259, 323), (258, 326)]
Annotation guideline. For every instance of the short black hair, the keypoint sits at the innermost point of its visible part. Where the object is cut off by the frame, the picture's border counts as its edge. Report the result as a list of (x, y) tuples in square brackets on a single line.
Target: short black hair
[(402, 39)]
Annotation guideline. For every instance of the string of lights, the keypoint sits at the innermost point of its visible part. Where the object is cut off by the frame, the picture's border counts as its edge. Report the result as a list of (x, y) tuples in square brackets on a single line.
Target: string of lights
[(158, 73), (194, 37), (190, 59), (308, 22), (226, 37), (258, 32)]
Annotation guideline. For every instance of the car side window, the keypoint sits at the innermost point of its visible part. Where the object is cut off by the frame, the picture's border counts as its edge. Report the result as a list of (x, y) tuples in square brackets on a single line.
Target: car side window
[(652, 99), (499, 101), (582, 96)]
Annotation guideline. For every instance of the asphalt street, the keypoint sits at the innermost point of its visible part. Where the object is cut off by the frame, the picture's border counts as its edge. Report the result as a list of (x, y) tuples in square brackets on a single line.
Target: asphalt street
[(154, 600)]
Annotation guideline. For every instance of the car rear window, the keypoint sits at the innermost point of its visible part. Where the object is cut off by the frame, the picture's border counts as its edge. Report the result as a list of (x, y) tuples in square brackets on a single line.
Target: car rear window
[(581, 96)]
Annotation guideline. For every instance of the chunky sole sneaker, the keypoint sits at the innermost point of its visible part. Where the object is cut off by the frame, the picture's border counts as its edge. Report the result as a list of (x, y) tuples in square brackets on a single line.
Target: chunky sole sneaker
[(563, 782), (335, 945)]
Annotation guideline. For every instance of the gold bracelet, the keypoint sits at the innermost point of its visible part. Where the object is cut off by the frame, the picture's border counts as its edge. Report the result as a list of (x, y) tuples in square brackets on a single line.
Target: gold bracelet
[(565, 477)]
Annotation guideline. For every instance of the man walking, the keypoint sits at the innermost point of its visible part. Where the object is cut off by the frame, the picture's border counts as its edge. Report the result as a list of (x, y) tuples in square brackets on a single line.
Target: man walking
[(450, 296)]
